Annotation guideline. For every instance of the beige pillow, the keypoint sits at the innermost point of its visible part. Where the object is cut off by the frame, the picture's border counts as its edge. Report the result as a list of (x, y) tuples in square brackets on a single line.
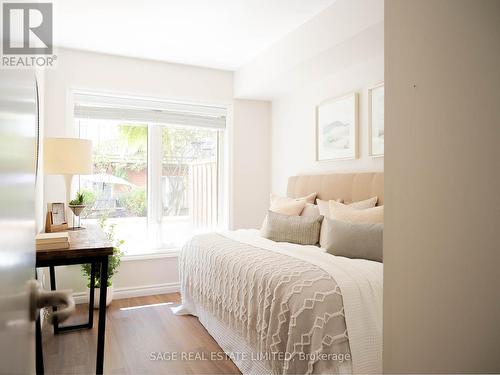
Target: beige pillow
[(290, 206), (293, 208), (308, 198), (324, 206), (302, 230), (342, 212), (362, 205)]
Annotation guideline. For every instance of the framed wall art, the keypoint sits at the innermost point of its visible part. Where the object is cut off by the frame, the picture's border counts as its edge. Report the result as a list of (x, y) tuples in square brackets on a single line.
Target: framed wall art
[(337, 128), (376, 120)]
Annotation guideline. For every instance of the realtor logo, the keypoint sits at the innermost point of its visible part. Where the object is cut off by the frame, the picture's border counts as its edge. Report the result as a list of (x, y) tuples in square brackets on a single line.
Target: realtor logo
[(27, 28), (27, 35)]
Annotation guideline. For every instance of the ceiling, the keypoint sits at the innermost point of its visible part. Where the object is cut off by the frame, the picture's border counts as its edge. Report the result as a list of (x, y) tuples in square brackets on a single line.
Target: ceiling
[(222, 34)]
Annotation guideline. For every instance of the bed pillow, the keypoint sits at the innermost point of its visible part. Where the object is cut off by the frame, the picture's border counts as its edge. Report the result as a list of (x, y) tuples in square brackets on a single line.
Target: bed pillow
[(293, 208), (310, 210), (353, 240), (343, 212), (324, 206), (364, 204), (302, 230), (308, 198), (290, 206)]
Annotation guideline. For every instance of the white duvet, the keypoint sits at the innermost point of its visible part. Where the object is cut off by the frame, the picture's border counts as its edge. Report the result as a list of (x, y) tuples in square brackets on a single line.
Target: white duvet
[(231, 307)]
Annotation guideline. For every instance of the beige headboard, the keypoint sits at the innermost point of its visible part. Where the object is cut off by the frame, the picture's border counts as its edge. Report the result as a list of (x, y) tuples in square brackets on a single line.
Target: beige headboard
[(350, 187)]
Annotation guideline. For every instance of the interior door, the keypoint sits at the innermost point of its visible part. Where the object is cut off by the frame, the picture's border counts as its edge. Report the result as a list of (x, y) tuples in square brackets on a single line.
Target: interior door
[(18, 150)]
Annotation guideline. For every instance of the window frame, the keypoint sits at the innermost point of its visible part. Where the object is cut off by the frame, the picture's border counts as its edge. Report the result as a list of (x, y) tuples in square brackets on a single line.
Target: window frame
[(156, 249)]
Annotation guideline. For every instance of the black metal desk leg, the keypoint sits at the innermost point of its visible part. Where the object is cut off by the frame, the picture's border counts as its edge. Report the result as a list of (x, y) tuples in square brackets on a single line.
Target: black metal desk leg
[(103, 283), (39, 350), (53, 287), (91, 296), (38, 341), (60, 328)]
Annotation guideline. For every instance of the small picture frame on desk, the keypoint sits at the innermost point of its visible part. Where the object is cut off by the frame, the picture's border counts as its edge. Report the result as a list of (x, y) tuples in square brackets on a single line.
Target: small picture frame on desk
[(55, 220), (58, 213)]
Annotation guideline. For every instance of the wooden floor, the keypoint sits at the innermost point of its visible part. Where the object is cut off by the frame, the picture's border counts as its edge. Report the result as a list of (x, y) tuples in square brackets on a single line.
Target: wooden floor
[(137, 329)]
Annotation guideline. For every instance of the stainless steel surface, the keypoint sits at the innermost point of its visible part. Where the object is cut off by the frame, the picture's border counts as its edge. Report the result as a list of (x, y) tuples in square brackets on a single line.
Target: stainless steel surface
[(40, 298), (18, 124)]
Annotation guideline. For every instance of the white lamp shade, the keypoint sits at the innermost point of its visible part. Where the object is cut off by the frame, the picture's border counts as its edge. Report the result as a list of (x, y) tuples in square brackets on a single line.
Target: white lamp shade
[(67, 156)]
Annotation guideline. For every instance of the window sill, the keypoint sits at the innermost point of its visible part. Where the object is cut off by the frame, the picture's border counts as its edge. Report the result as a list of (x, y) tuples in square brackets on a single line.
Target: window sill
[(160, 254)]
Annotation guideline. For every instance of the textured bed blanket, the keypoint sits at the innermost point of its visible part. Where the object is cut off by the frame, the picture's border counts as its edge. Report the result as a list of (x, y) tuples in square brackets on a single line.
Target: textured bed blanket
[(284, 301)]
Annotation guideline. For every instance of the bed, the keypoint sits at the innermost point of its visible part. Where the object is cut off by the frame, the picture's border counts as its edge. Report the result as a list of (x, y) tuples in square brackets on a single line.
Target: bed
[(281, 308)]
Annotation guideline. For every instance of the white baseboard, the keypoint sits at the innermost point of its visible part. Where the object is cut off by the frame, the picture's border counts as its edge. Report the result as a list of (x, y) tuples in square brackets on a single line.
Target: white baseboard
[(135, 291)]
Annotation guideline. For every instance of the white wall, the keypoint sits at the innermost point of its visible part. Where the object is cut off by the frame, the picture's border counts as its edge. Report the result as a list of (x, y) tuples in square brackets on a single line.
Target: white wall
[(294, 121), (119, 75), (136, 277), (300, 54), (339, 51), (251, 158), (113, 74), (442, 215)]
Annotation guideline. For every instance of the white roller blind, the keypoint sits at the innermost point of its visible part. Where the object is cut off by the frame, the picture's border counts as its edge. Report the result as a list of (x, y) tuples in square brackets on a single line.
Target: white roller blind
[(95, 106)]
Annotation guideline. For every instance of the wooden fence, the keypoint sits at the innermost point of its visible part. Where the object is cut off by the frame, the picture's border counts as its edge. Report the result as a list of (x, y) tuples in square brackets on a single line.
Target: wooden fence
[(203, 193)]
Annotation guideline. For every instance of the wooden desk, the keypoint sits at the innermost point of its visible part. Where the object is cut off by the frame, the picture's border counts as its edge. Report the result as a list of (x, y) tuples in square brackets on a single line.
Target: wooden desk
[(87, 246)]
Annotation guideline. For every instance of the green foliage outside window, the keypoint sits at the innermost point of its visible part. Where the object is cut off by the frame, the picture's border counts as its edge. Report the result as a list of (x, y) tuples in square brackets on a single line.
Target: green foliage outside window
[(134, 201)]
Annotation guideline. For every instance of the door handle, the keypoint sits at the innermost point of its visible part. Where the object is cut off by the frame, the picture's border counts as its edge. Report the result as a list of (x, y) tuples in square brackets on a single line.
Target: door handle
[(40, 298)]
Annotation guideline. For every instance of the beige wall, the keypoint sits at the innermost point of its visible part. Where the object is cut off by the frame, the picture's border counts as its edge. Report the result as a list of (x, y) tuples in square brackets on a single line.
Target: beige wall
[(442, 178)]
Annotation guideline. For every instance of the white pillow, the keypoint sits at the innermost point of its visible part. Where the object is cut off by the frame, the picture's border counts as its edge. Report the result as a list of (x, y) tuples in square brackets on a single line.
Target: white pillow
[(310, 210), (324, 208)]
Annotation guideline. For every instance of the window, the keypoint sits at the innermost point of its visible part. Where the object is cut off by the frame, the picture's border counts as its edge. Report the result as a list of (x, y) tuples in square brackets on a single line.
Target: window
[(158, 169)]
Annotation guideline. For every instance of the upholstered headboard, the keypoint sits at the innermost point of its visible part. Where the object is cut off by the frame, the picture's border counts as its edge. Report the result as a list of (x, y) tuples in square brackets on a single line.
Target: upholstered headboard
[(350, 187)]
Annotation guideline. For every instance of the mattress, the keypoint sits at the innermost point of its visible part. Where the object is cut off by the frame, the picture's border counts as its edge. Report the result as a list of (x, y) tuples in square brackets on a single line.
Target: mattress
[(280, 308)]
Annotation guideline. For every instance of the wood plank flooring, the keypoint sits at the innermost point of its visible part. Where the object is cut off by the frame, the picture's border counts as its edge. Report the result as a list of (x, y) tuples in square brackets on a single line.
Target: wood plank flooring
[(137, 330)]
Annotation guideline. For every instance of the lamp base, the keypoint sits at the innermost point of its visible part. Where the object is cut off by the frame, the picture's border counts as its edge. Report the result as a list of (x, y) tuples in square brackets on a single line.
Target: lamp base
[(76, 228)]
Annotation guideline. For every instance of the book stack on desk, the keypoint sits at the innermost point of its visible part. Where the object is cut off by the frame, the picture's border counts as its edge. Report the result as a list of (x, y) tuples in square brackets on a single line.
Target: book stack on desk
[(52, 241)]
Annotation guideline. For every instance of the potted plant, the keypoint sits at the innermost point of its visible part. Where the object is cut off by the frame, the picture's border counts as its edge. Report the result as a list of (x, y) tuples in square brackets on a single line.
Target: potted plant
[(77, 206), (113, 263)]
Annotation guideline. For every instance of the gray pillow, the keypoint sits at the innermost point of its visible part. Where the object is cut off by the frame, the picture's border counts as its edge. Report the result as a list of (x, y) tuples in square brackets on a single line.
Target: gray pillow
[(302, 230), (353, 240)]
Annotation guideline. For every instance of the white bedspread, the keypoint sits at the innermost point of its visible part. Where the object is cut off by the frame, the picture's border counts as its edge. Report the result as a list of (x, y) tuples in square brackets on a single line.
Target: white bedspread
[(360, 282)]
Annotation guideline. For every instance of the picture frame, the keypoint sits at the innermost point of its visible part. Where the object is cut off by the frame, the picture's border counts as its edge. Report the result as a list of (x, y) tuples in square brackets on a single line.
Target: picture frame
[(376, 128), (337, 124), (58, 212), (55, 220)]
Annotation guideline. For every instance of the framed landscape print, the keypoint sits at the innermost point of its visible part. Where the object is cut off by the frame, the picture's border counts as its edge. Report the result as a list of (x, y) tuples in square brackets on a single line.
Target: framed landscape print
[(376, 120), (337, 128)]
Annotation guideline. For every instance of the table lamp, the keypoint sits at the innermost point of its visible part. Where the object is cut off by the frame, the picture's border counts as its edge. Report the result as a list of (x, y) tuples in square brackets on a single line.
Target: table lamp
[(67, 157)]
